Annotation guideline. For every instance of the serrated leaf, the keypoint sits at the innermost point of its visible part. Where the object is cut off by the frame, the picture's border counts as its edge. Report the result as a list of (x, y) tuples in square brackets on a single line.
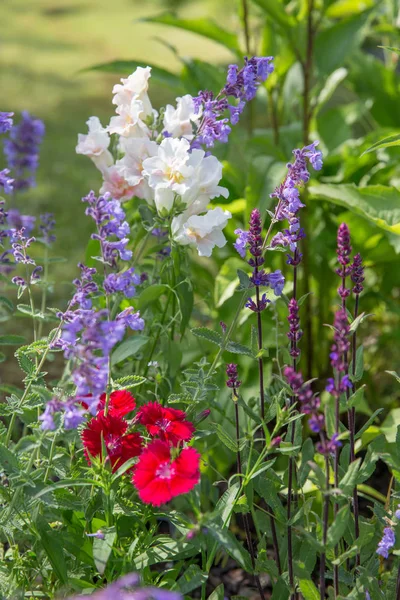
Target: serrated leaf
[(237, 348), (4, 301), (225, 438), (25, 309), (244, 281), (207, 334), (128, 382), (8, 460)]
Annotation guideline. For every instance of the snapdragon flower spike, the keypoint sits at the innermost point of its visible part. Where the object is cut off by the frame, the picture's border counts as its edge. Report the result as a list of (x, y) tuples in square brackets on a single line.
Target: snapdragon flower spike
[(22, 150), (387, 542), (232, 373), (168, 424), (110, 221), (357, 274), (343, 253), (240, 84), (6, 121), (295, 333)]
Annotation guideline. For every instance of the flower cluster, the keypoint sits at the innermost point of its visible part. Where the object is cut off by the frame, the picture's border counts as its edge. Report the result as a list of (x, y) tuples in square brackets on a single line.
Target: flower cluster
[(19, 246), (387, 542), (127, 588), (6, 182), (289, 202), (357, 274), (164, 469), (338, 355), (343, 253), (46, 227), (160, 156), (232, 373), (295, 333), (6, 121), (22, 150)]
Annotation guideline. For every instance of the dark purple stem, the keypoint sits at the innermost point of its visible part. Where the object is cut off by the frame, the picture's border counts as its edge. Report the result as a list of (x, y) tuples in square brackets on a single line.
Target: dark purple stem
[(325, 520), (352, 426)]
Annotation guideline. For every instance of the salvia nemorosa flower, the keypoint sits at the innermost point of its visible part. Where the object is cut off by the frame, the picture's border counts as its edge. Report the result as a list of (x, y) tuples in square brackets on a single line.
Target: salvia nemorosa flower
[(357, 274), (6, 182), (387, 542), (295, 333), (343, 253), (159, 477), (217, 114), (6, 121), (127, 588), (309, 403), (22, 150), (241, 242), (232, 373), (47, 224), (341, 342), (328, 447)]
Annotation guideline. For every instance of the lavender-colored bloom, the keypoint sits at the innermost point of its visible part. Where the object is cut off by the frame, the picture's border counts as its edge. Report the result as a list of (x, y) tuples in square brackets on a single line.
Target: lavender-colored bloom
[(357, 274), (259, 278), (19, 245), (241, 242), (367, 596), (316, 422), (123, 282), (6, 182), (126, 588), (232, 373), (343, 253), (73, 416), (328, 447), (85, 287), (22, 150), (131, 319), (309, 402), (254, 239), (98, 535), (6, 121), (18, 221), (397, 513), (20, 281), (35, 275), (341, 343), (262, 305), (295, 333), (314, 155), (387, 542), (276, 282), (46, 227)]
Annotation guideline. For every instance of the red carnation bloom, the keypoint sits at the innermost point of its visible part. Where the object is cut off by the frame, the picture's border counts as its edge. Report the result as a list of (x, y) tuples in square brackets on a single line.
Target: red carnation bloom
[(121, 403), (168, 424), (158, 478), (111, 428)]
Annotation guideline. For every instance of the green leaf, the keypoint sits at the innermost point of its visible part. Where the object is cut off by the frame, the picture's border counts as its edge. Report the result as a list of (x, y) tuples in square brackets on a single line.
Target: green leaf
[(368, 423), (150, 295), (11, 340), (244, 281), (377, 203), (348, 482), (128, 382), (232, 546), (8, 460), (25, 309), (357, 321), (386, 142), (191, 579), (66, 483), (128, 348), (218, 593), (359, 365), (225, 438), (275, 10), (102, 550), (331, 84), (338, 527), (4, 301), (308, 590), (185, 297), (391, 48), (237, 348), (394, 374), (125, 67), (346, 8), (51, 544), (207, 334), (204, 27), (344, 36)]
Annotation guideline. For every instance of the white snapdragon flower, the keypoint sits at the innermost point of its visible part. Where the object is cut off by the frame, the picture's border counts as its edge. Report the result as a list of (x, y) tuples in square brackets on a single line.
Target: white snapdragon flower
[(169, 173), (130, 167), (129, 120), (116, 185), (179, 121), (95, 144), (135, 86), (202, 231), (204, 185)]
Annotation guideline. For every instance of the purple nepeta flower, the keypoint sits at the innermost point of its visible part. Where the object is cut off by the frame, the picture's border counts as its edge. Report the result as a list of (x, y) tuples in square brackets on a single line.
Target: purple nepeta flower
[(20, 281), (314, 156), (241, 242), (19, 245), (85, 286), (6, 182), (387, 542), (123, 282), (73, 414), (35, 275), (22, 150), (232, 373), (357, 274), (46, 227), (131, 319), (343, 253), (6, 121), (126, 588), (397, 513), (18, 221)]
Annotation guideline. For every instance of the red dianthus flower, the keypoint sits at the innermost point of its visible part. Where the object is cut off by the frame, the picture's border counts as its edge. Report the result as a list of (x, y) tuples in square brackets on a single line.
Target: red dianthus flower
[(168, 424), (121, 403), (158, 478), (119, 445)]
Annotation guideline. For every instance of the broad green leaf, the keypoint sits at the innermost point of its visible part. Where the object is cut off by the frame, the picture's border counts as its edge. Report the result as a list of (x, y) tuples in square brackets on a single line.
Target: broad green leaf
[(226, 503), (150, 295), (389, 425), (8, 460), (204, 27), (276, 11), (344, 36), (308, 590), (368, 423), (232, 546), (11, 340), (357, 322), (25, 309), (347, 8), (191, 579), (394, 374), (128, 348), (386, 142), (338, 527), (391, 48), (347, 483), (377, 203), (237, 348), (225, 438), (167, 550), (207, 334), (227, 280), (54, 550), (332, 82), (185, 297), (218, 593), (102, 550), (126, 67), (66, 483)]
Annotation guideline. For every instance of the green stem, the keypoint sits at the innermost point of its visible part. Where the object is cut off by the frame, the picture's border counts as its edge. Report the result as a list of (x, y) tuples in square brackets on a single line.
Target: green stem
[(157, 337), (44, 293)]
